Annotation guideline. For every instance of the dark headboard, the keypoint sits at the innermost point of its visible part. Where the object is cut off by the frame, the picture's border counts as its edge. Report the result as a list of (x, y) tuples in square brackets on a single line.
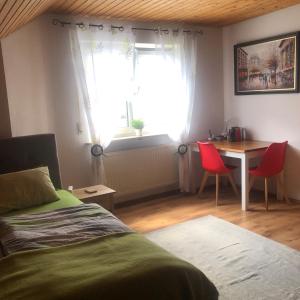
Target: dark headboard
[(27, 152)]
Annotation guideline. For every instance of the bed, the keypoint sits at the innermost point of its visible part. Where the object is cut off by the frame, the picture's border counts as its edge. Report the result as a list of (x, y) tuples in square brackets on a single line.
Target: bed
[(94, 260)]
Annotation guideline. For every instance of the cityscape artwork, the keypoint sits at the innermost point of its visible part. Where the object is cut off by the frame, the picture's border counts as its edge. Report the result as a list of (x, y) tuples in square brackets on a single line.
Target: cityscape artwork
[(267, 66)]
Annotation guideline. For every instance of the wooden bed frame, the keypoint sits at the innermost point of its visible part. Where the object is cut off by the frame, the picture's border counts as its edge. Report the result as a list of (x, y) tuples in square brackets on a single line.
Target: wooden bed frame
[(27, 152)]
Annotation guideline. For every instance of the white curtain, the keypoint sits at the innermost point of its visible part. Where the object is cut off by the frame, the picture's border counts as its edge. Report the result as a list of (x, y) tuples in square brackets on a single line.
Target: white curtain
[(102, 62), (166, 92), (179, 49), (157, 80)]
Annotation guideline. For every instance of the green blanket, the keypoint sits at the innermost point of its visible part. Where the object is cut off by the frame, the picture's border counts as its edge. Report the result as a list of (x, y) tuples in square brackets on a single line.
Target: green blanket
[(119, 266)]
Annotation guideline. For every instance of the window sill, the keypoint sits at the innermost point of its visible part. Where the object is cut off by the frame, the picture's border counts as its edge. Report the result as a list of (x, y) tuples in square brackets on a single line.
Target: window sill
[(136, 137), (135, 142)]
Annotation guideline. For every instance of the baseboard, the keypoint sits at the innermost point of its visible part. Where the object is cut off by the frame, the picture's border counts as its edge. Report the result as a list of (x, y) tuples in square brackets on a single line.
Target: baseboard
[(255, 189), (274, 194), (126, 198), (146, 199), (159, 192)]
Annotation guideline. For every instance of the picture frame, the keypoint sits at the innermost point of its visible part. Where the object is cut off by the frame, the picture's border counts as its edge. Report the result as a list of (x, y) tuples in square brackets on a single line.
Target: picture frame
[(267, 66)]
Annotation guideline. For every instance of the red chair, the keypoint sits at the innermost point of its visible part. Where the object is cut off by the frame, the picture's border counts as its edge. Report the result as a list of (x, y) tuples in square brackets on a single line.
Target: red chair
[(271, 165), (213, 164)]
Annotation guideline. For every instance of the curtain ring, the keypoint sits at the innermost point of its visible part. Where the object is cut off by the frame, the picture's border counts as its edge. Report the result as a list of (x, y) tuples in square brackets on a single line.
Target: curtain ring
[(121, 28), (55, 21), (81, 26), (97, 150), (100, 27), (182, 149)]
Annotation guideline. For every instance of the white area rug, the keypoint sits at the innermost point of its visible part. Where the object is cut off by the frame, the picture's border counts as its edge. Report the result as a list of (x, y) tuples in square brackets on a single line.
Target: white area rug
[(243, 265)]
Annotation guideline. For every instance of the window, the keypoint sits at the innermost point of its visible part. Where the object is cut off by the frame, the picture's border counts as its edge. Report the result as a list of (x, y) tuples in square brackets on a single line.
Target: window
[(122, 80), (155, 81)]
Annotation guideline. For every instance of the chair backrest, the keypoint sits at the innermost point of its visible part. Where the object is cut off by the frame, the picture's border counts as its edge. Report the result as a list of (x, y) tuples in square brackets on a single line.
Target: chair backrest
[(273, 158), (211, 159)]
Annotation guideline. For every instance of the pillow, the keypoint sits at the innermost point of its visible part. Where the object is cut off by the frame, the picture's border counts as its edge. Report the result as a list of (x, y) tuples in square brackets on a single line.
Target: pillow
[(26, 189)]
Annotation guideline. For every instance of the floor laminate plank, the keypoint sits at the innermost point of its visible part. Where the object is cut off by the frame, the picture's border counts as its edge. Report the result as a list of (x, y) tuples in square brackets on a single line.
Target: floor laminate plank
[(281, 223)]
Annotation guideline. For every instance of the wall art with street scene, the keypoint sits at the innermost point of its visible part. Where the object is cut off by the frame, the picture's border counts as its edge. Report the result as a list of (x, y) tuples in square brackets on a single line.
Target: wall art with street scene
[(267, 66)]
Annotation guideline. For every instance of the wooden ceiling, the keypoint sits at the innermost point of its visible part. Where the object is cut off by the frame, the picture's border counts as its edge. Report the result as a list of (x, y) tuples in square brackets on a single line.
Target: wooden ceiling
[(15, 13)]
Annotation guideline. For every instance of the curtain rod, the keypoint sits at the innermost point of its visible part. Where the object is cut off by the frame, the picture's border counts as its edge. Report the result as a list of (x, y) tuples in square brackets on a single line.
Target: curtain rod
[(121, 28)]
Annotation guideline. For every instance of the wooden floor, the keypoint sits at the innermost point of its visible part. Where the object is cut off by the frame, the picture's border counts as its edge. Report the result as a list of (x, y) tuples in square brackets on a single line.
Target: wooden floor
[(281, 223)]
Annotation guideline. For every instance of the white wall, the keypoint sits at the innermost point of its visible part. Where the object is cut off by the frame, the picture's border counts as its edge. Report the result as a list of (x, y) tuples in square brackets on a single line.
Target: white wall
[(267, 117), (26, 81), (5, 128), (208, 110), (73, 152), (42, 92)]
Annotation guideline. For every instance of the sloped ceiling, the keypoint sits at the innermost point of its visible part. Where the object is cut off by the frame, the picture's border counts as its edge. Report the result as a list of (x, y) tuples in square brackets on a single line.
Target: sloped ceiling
[(15, 13)]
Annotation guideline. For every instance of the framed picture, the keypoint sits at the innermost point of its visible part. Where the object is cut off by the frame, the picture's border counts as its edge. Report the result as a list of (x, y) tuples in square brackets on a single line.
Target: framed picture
[(267, 66)]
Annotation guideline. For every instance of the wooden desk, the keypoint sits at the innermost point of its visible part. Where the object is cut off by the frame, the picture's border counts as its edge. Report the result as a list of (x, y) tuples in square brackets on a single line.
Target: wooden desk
[(244, 150)]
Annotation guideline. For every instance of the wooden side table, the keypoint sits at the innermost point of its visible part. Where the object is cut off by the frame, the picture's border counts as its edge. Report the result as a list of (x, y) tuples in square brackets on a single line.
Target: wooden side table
[(103, 196)]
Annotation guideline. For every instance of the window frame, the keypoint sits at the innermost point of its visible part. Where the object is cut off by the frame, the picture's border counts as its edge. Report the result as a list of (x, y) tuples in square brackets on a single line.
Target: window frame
[(128, 132)]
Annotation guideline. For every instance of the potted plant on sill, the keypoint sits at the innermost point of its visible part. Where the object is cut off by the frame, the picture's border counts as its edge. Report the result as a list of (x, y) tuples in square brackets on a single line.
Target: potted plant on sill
[(138, 125)]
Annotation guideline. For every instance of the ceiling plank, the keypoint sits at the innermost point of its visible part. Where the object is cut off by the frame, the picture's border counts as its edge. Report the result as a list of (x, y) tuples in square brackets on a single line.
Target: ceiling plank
[(92, 8), (87, 6), (22, 7), (137, 6), (15, 13), (218, 13), (63, 5), (110, 5), (8, 6)]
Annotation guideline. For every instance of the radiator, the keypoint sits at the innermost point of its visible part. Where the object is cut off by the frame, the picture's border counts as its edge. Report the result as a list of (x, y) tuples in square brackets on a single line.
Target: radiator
[(141, 172)]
